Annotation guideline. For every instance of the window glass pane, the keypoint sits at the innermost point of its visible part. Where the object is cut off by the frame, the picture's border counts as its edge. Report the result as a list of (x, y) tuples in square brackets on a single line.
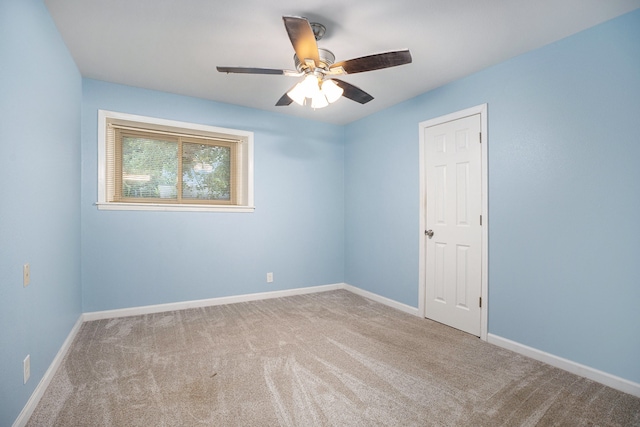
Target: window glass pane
[(149, 167), (206, 172)]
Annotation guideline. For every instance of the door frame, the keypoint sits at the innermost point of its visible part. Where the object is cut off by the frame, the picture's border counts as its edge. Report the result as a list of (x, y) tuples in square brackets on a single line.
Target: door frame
[(422, 294)]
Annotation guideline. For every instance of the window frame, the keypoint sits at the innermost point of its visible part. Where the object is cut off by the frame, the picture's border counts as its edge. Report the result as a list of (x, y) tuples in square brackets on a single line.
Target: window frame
[(242, 197)]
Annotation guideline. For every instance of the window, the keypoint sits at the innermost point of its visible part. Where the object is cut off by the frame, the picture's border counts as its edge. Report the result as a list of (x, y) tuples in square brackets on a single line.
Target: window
[(156, 164)]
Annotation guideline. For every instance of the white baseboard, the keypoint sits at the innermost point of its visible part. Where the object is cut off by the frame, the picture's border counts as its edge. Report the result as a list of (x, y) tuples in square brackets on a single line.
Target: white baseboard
[(568, 365), (37, 394), (183, 305), (159, 308), (382, 300)]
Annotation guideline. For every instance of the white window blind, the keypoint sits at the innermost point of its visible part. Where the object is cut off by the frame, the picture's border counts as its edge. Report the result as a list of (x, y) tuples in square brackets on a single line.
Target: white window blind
[(156, 164)]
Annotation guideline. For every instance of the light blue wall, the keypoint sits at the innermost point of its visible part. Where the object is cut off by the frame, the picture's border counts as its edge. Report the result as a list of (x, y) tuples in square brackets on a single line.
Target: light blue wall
[(564, 196), (40, 95), (297, 230)]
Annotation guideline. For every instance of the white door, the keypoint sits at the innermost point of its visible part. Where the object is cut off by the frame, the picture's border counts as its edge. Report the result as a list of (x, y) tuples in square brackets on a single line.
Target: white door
[(453, 231)]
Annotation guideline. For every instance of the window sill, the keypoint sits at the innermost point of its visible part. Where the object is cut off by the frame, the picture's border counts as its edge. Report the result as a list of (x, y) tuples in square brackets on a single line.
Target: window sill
[(113, 206)]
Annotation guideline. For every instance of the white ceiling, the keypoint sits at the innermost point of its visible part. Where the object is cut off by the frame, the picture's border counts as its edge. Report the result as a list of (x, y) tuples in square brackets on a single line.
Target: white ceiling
[(175, 45)]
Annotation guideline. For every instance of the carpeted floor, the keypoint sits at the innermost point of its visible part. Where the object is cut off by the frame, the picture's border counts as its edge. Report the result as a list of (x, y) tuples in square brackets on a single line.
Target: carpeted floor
[(326, 359)]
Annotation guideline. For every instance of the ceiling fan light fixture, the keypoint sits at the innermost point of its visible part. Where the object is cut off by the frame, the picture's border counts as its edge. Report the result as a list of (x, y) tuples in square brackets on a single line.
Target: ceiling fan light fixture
[(309, 88), (331, 90)]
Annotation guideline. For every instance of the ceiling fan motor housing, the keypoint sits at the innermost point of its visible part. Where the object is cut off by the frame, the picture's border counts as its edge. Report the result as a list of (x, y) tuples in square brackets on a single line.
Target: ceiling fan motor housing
[(327, 58)]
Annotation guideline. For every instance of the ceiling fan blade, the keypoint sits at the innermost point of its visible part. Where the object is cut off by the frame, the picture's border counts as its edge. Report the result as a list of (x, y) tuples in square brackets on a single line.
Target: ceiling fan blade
[(352, 92), (250, 70), (376, 61), (302, 38), (284, 101)]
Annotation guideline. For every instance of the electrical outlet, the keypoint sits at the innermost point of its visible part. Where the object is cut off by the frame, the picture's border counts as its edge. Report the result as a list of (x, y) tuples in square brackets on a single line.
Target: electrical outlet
[(26, 275), (26, 368), (269, 277)]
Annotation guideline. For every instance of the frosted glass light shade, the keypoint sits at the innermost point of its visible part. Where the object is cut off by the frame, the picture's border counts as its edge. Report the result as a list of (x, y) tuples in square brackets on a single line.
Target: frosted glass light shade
[(331, 90), (319, 100), (297, 94), (311, 86)]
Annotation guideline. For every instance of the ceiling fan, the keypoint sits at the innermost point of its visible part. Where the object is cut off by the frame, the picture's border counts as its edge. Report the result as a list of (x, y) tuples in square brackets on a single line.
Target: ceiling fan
[(318, 67)]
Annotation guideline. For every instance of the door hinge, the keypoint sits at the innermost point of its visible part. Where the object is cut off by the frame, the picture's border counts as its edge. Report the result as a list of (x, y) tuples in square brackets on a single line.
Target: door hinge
[(480, 302), (480, 219), (480, 137)]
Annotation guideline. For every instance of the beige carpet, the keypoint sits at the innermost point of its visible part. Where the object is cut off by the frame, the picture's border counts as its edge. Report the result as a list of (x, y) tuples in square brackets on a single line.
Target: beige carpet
[(327, 359)]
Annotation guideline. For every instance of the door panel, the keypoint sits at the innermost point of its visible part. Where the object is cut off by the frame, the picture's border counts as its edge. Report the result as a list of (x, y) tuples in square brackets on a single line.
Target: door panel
[(453, 207), (462, 194), (439, 273), (462, 279), (440, 195)]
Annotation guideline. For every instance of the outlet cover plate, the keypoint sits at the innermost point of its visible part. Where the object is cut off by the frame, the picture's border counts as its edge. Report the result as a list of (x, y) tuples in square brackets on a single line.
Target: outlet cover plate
[(26, 275)]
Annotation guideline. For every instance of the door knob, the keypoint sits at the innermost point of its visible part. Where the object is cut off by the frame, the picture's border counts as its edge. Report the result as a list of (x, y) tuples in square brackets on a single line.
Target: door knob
[(429, 233)]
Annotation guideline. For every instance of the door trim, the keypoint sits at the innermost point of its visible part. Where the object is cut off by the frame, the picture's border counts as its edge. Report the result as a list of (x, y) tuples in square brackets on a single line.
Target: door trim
[(482, 110)]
